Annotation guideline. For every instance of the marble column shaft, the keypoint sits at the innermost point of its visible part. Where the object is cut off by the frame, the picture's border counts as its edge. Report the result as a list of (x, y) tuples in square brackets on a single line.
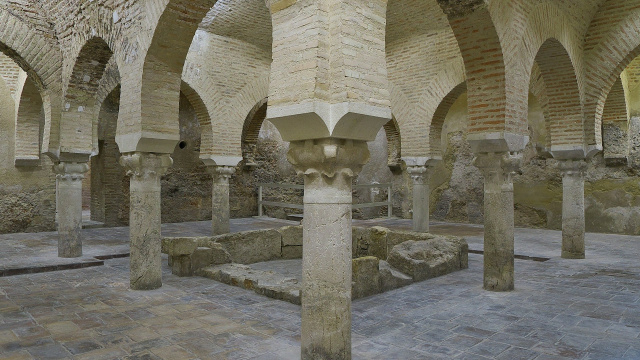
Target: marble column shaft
[(69, 177), (573, 208), (220, 198), (328, 166), (497, 169), (421, 196), (145, 170)]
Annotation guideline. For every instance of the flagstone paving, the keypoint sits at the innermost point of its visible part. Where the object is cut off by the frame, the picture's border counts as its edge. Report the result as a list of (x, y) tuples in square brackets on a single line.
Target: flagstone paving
[(561, 309)]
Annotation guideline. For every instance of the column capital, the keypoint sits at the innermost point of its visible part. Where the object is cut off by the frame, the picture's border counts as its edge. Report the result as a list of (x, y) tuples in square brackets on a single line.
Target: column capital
[(221, 172), (507, 162), (328, 158), (66, 170), (497, 169), (420, 173), (572, 167), (145, 165)]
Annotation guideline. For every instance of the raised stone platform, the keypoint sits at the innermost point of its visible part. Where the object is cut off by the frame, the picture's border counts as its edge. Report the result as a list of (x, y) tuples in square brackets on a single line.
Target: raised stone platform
[(268, 261)]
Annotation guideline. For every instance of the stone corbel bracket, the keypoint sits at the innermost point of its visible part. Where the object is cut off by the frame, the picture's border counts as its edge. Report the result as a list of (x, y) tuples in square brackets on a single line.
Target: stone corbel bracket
[(317, 120)]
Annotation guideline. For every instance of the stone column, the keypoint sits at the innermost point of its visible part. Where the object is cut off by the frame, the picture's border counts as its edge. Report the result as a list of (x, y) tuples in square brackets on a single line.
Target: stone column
[(145, 170), (420, 179), (572, 208), (220, 198), (69, 177), (498, 218), (328, 166), (420, 175)]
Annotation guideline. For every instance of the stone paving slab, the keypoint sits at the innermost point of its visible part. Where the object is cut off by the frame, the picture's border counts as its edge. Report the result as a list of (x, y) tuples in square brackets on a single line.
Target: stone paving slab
[(560, 309), (37, 252)]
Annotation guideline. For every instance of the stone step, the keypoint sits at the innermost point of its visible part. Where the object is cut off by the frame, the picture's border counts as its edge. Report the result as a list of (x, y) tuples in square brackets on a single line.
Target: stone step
[(266, 283), (295, 217)]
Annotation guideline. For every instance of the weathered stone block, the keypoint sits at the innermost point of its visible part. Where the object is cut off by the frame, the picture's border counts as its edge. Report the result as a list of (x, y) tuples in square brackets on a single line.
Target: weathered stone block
[(292, 252), (365, 279), (180, 246), (204, 256), (391, 278), (181, 265), (427, 259), (249, 247), (398, 237), (369, 242), (291, 235)]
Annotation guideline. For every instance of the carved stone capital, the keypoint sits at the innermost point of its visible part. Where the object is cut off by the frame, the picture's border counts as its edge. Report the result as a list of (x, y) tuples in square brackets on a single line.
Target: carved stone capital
[(572, 167), (328, 158), (143, 165), (221, 173), (328, 166), (420, 173), (70, 171), (497, 169)]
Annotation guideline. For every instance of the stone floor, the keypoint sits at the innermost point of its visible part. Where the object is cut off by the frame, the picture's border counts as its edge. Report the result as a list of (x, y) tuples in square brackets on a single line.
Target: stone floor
[(561, 309)]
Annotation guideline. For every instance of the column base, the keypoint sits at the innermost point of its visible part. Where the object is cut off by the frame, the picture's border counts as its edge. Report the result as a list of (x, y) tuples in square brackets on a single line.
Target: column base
[(572, 255)]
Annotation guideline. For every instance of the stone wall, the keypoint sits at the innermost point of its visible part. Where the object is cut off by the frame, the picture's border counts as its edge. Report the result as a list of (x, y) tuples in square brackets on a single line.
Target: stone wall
[(272, 167), (612, 193), (186, 187), (27, 194)]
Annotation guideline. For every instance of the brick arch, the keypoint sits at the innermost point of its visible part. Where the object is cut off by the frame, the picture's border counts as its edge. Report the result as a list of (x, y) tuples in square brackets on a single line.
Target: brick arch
[(394, 144), (565, 116), (40, 57), (494, 104), (251, 131), (148, 119), (555, 53), (612, 42), (439, 115), (538, 89), (615, 126), (615, 107), (77, 123), (202, 114), (29, 117), (404, 112)]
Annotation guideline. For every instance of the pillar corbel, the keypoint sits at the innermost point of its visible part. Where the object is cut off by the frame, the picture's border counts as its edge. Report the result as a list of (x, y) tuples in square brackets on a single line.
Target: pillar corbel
[(220, 197), (497, 168), (328, 166), (145, 171), (69, 177), (573, 222)]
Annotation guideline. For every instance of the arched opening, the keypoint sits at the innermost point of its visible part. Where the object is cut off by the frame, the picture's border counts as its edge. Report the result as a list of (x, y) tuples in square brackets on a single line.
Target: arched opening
[(29, 126), (27, 201), (251, 132), (439, 116), (186, 187), (565, 116), (80, 97), (615, 129), (394, 145)]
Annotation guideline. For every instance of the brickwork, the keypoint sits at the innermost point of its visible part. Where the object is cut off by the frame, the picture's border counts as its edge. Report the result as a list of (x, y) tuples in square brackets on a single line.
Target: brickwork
[(29, 121)]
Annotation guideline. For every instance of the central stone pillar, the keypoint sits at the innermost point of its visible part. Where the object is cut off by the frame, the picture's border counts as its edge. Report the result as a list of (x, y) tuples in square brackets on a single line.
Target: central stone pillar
[(572, 208), (145, 170), (420, 175), (498, 218), (220, 198), (69, 177), (328, 166)]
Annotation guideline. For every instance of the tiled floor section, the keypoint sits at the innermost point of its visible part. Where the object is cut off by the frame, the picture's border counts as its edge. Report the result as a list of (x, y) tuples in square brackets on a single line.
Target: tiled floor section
[(40, 249), (561, 309)]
